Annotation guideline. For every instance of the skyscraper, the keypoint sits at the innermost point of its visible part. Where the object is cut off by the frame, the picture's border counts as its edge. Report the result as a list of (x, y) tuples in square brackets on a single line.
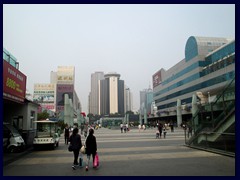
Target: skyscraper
[(128, 100), (112, 94), (146, 99), (94, 94)]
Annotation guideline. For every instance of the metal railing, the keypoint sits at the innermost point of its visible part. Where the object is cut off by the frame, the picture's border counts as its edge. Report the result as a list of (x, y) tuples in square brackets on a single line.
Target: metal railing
[(209, 118)]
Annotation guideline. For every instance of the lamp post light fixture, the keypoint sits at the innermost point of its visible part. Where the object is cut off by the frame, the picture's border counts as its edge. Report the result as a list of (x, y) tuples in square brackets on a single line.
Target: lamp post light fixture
[(209, 97)]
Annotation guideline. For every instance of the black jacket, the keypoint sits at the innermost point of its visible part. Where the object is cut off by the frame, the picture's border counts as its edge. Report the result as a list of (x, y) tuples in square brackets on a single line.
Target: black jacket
[(76, 142), (91, 145)]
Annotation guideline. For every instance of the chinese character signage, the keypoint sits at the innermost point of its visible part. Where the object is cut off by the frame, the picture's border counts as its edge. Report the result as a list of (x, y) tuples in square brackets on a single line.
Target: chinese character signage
[(14, 83)]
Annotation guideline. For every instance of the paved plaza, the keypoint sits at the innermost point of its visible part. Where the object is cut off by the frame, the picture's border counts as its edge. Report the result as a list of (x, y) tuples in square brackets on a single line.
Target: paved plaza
[(127, 154)]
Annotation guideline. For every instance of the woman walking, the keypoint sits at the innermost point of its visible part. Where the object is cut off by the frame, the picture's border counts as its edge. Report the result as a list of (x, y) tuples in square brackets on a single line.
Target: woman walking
[(75, 141), (91, 147)]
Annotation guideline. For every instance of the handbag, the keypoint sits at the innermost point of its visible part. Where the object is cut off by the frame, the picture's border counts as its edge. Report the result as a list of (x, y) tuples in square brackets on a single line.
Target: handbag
[(96, 161), (70, 148), (83, 149)]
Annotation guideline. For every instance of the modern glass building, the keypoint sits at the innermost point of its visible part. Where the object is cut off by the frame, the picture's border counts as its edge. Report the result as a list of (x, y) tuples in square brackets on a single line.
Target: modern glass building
[(209, 64), (7, 56), (146, 99)]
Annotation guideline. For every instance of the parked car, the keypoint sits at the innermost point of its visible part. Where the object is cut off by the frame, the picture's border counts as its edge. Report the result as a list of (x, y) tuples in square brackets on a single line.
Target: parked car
[(12, 140)]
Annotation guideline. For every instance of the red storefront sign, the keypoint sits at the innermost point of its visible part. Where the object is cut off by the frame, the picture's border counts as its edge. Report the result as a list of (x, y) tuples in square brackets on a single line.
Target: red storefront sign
[(14, 83)]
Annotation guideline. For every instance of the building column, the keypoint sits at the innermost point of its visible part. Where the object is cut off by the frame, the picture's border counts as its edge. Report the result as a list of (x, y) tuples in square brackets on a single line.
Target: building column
[(66, 110), (140, 118), (194, 111), (179, 113), (145, 116)]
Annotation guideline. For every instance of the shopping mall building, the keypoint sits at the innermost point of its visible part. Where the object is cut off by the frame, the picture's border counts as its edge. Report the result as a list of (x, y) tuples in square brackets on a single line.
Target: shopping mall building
[(208, 66)]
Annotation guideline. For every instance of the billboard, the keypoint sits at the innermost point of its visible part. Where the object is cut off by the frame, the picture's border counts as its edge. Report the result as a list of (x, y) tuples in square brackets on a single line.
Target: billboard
[(63, 89), (157, 79), (14, 83), (44, 93), (50, 106), (65, 75)]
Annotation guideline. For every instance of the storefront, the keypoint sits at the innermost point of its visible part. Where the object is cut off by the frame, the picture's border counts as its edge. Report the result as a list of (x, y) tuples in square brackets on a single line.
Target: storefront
[(17, 110)]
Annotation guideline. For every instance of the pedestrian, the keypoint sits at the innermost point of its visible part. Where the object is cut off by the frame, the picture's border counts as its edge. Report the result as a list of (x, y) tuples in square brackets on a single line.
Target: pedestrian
[(157, 134), (82, 128), (144, 128), (75, 141), (121, 126), (160, 127), (66, 134), (139, 127), (189, 130), (172, 127), (91, 147), (85, 130), (164, 132), (127, 127)]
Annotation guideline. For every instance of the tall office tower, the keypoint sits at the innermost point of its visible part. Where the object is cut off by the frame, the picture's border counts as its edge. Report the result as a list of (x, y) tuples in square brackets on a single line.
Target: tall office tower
[(94, 94), (112, 94), (53, 77), (146, 99), (128, 100)]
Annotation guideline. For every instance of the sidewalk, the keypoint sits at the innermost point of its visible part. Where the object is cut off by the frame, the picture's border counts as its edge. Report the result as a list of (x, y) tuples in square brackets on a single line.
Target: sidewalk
[(11, 157)]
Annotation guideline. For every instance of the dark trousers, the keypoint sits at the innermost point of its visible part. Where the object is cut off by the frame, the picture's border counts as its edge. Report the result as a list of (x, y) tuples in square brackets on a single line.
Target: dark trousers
[(76, 154), (88, 158), (66, 139)]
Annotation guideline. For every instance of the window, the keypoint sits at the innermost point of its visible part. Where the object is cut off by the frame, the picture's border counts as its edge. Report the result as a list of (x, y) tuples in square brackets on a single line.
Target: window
[(32, 117)]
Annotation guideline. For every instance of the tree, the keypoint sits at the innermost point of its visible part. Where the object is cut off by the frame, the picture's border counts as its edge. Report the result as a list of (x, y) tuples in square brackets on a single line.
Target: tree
[(42, 115), (129, 112)]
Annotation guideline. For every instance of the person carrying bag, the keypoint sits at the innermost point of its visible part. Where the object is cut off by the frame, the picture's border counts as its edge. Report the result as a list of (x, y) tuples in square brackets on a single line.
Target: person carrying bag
[(76, 144), (91, 147)]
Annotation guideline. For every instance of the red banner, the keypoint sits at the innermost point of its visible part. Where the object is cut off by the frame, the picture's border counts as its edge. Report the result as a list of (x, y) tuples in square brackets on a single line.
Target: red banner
[(14, 83), (157, 79)]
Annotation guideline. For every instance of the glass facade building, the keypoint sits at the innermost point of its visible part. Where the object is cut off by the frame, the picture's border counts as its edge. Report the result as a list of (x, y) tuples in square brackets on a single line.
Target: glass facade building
[(10, 59), (208, 65)]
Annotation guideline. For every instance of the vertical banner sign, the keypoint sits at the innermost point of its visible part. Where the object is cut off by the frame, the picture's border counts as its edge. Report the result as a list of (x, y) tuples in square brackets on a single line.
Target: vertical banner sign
[(14, 83), (157, 79)]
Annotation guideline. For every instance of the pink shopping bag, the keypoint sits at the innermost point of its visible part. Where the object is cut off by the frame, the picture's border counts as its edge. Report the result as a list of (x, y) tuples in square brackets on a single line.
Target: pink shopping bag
[(96, 161)]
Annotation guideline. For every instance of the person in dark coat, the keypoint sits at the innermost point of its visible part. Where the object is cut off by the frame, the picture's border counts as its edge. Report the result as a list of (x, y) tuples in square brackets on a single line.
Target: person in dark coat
[(91, 147), (66, 134), (75, 141), (160, 127)]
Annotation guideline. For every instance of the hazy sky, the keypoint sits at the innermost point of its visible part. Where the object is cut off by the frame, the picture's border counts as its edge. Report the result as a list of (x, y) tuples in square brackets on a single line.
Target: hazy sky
[(132, 40)]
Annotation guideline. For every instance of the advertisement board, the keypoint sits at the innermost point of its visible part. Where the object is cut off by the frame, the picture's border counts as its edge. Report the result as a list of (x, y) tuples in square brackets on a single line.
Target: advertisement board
[(65, 75), (14, 83), (63, 89), (49, 106), (157, 79), (44, 93)]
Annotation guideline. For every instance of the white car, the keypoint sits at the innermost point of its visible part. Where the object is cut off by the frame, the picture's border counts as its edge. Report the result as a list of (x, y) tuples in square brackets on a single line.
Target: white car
[(12, 140)]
